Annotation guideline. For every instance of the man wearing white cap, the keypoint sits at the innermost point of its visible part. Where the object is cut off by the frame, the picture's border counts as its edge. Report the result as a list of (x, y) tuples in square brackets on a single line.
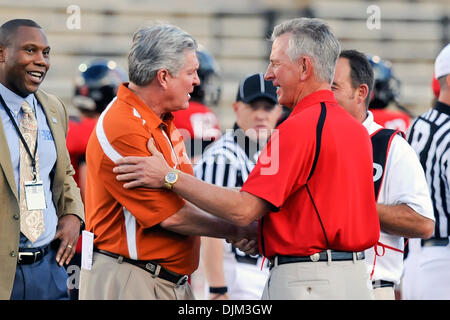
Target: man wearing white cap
[(427, 273)]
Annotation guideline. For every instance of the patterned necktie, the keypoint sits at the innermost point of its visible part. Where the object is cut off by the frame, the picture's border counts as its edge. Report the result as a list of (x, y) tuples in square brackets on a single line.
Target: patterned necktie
[(31, 221)]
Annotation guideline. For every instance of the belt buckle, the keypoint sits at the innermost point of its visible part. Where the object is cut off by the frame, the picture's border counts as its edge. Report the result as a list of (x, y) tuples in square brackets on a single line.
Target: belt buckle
[(150, 267), (153, 268), (181, 281), (28, 254), (315, 257)]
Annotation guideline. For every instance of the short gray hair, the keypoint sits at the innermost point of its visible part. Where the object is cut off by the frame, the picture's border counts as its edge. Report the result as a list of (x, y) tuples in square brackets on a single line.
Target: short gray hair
[(160, 46), (311, 37)]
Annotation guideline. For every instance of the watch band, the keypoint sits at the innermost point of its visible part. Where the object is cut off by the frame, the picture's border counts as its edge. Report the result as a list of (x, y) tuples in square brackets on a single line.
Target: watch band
[(169, 184)]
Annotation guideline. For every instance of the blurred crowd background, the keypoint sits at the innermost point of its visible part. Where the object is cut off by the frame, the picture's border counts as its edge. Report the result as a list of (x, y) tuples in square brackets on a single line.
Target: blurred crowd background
[(409, 34)]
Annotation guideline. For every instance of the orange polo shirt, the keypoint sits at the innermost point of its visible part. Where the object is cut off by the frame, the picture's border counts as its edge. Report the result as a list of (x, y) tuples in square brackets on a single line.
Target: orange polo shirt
[(125, 221)]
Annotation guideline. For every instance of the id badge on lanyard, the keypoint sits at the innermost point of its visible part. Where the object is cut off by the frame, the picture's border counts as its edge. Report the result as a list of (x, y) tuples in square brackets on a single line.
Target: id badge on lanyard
[(34, 195), (34, 190)]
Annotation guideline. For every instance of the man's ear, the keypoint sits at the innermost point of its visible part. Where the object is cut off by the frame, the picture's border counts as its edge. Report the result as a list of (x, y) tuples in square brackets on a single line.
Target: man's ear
[(305, 67), (2, 53), (363, 92), (162, 76), (235, 106)]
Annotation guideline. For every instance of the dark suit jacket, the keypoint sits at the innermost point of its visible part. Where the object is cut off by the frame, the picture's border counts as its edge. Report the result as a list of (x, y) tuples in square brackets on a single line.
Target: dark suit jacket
[(66, 194)]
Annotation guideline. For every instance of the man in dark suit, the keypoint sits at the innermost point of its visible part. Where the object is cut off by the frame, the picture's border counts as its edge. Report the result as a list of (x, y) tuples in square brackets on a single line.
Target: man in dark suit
[(41, 216)]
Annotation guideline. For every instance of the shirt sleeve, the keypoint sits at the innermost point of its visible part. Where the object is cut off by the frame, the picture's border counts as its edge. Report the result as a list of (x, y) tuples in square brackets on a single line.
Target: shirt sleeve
[(405, 181), (148, 206)]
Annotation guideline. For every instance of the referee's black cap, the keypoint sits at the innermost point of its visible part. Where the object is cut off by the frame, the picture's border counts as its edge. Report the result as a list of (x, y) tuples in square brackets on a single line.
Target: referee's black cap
[(255, 87)]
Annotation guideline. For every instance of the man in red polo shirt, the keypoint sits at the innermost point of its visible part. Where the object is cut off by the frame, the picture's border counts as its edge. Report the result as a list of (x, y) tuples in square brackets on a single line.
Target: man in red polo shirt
[(311, 189)]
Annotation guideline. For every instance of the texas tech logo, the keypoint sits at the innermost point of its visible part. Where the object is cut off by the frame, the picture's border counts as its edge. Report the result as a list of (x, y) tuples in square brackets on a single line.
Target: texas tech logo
[(377, 172)]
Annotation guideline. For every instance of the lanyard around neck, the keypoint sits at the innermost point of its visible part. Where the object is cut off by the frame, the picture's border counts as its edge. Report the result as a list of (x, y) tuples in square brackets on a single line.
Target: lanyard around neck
[(32, 156)]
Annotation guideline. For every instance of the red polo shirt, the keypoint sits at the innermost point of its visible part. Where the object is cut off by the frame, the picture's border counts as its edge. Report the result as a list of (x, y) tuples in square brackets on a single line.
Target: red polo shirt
[(341, 185), (391, 119), (198, 122), (77, 140)]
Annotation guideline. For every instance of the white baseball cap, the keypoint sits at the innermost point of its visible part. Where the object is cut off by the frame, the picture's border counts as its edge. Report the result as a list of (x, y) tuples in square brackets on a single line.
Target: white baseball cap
[(442, 64)]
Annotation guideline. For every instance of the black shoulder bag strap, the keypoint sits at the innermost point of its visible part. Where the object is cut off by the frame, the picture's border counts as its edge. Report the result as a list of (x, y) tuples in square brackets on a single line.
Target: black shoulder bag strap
[(319, 129), (381, 142)]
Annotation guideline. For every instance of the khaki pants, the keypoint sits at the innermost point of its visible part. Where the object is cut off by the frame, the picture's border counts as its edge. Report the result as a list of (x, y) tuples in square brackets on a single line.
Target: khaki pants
[(110, 280), (322, 280), (386, 293)]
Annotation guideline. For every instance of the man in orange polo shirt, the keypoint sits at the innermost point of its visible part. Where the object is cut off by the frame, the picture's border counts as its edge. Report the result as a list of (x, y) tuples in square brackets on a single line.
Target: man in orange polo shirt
[(146, 241)]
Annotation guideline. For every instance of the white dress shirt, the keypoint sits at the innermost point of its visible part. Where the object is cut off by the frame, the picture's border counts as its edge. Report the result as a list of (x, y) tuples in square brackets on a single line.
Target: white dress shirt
[(47, 156), (403, 183)]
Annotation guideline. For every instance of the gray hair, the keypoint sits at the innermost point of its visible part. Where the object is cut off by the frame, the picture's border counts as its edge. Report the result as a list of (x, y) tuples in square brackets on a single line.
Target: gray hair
[(160, 46), (311, 37)]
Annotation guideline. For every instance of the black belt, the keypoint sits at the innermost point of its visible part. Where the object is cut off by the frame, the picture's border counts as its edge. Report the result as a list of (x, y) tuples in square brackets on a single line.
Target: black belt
[(434, 242), (151, 267), (382, 284), (319, 256), (31, 255)]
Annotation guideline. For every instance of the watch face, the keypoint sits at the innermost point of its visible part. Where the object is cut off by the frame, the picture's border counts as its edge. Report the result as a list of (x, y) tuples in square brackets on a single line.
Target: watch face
[(171, 177)]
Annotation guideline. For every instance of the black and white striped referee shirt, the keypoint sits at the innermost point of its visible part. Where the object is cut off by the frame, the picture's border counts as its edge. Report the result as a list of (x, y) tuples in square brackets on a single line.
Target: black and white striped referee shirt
[(228, 161), (429, 135)]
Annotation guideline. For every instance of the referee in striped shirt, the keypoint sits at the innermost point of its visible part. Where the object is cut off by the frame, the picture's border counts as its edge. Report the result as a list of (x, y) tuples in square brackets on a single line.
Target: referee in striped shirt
[(427, 267), (230, 273)]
